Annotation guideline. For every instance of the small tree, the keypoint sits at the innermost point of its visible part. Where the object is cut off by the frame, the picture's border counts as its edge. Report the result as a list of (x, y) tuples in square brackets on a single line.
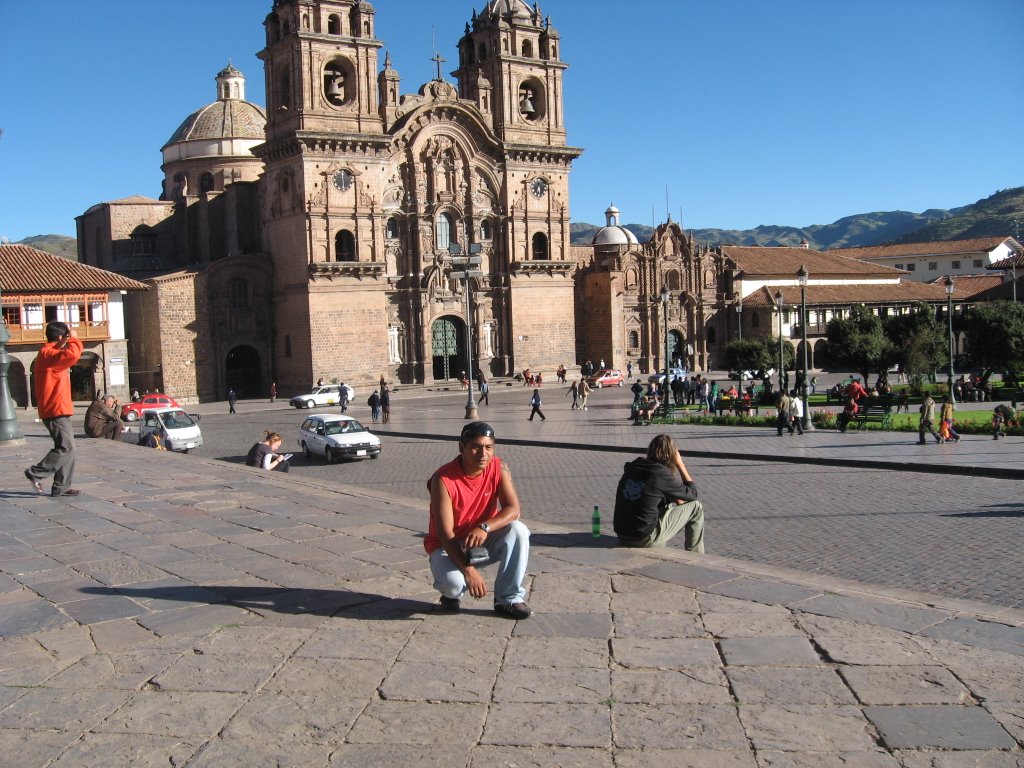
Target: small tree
[(757, 354), (859, 342), (919, 343), (995, 335)]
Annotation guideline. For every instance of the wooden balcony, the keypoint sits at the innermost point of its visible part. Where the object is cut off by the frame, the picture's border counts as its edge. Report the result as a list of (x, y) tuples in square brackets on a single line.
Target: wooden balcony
[(36, 334)]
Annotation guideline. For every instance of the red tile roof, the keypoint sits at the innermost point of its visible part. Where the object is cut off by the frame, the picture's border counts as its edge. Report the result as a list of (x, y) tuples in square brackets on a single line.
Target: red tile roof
[(761, 261), (974, 245), (28, 270), (969, 285), (838, 295), (1016, 260)]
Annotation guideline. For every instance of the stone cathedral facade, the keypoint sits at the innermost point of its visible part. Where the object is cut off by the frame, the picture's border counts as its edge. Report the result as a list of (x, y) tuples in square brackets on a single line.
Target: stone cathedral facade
[(367, 193)]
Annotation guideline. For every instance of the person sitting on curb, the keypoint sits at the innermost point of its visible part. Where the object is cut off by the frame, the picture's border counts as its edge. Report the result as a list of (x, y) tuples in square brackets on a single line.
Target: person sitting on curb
[(849, 413), (652, 504), (101, 419), (474, 518), (1001, 415), (264, 454)]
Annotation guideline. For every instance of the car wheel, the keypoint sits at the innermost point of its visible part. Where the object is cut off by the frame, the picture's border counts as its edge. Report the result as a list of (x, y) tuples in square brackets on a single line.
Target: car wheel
[(311, 404), (306, 453), (131, 416), (375, 456), (329, 455)]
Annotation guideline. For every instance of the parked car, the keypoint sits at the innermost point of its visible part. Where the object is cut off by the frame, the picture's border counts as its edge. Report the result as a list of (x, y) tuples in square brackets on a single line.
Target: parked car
[(607, 378), (658, 377), (335, 436), (132, 411), (176, 429), (752, 375), (329, 394)]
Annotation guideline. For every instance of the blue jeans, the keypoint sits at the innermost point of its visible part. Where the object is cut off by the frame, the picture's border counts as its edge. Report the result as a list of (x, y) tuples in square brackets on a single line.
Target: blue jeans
[(508, 547)]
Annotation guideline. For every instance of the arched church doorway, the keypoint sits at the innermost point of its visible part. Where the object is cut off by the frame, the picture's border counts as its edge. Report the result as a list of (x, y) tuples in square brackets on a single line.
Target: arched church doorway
[(676, 348), (17, 383), (448, 342), (243, 372)]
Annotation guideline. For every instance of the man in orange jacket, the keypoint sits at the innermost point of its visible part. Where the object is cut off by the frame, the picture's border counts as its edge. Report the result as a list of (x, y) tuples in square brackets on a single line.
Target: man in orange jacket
[(53, 399)]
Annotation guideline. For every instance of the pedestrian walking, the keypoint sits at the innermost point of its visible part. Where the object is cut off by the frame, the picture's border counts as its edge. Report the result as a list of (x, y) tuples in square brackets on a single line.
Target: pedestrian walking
[(782, 406), (574, 390), (485, 390), (345, 393), (946, 428), (385, 405), (232, 399), (584, 392), (796, 413), (535, 404), (273, 391), (52, 374), (926, 424), (629, 369), (374, 402)]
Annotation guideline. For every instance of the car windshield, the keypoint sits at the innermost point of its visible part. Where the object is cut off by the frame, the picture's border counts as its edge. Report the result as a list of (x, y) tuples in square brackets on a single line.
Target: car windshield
[(177, 420), (344, 427)]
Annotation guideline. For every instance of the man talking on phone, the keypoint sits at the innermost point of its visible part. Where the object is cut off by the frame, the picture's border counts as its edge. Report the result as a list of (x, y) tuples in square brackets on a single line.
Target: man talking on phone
[(52, 371)]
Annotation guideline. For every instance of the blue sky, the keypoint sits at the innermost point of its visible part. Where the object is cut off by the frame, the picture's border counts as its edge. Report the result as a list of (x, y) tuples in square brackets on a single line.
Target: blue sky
[(796, 112)]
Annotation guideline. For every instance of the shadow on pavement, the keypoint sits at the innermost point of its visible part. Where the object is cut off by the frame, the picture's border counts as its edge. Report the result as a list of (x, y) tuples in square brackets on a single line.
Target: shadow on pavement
[(1006, 510), (574, 539), (319, 602)]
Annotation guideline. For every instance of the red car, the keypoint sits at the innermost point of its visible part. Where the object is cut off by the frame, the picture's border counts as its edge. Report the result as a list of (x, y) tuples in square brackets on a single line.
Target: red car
[(609, 377), (132, 411)]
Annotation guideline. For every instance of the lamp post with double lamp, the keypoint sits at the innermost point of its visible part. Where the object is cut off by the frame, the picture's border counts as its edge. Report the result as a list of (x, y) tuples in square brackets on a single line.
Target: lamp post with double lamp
[(778, 304), (8, 419), (801, 275), (465, 268), (950, 287), (665, 296)]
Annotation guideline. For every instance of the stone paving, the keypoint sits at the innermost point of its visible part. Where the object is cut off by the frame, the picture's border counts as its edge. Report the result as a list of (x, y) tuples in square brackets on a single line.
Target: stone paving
[(201, 613)]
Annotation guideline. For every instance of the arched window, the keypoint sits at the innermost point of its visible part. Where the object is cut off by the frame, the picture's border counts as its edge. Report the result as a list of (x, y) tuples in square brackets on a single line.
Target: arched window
[(345, 246), (540, 247), (285, 89), (334, 24), (633, 341), (672, 280), (554, 52), (274, 29), (485, 230), (391, 231), (443, 232), (527, 49), (482, 52), (240, 293), (206, 182)]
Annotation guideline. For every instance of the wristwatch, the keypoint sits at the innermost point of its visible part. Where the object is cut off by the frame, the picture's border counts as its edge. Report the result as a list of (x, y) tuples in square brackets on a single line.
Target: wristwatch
[(486, 528)]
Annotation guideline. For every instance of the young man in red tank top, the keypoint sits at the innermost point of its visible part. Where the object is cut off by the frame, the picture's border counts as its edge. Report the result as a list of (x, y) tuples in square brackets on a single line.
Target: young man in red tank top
[(474, 506)]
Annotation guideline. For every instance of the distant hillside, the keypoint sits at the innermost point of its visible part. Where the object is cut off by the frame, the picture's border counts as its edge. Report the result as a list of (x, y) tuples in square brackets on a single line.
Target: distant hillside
[(994, 215), (59, 245)]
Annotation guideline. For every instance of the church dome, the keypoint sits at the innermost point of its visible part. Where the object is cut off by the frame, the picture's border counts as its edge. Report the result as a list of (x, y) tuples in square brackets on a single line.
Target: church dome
[(514, 8), (612, 233), (229, 117)]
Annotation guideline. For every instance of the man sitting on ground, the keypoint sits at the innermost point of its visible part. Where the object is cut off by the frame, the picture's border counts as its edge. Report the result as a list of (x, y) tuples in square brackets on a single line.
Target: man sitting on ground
[(474, 508), (101, 419), (652, 504)]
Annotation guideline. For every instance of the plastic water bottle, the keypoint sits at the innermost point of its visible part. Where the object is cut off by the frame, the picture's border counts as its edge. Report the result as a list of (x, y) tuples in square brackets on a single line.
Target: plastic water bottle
[(595, 523)]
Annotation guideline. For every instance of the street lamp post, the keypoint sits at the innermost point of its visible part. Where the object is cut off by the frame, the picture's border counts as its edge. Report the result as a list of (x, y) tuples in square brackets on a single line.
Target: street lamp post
[(739, 332), (665, 296), (950, 287), (465, 268), (8, 419), (778, 304), (801, 275)]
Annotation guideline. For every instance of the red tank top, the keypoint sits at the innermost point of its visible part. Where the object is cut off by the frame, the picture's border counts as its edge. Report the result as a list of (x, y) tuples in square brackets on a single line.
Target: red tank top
[(474, 499)]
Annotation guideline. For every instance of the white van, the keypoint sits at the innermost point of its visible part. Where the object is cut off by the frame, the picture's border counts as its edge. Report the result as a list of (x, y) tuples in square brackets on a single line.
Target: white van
[(176, 429)]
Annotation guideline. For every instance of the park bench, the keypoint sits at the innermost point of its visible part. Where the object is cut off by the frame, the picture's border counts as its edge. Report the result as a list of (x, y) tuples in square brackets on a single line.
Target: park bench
[(736, 406), (874, 412)]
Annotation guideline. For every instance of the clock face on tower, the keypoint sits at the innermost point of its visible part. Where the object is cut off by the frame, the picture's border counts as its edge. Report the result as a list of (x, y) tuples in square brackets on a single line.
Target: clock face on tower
[(343, 180), (539, 187)]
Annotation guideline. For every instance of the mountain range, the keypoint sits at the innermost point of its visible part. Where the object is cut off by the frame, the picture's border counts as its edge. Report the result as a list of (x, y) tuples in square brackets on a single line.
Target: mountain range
[(996, 215), (993, 216)]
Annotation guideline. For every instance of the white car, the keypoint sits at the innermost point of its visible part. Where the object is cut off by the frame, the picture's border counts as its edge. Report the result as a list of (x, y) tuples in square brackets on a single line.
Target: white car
[(177, 430), (335, 436), (659, 377), (329, 394)]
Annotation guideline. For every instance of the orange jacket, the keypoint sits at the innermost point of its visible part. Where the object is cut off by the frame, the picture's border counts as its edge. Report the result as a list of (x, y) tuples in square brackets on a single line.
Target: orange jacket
[(53, 382)]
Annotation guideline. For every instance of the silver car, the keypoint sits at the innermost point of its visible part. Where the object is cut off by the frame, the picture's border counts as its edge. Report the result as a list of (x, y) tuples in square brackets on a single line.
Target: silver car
[(335, 436)]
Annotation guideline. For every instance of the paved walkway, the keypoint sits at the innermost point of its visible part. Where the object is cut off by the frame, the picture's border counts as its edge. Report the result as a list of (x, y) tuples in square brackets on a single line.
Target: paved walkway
[(198, 613)]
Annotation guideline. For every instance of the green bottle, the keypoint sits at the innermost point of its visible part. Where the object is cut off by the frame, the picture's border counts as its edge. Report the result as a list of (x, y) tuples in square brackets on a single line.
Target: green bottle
[(595, 523)]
